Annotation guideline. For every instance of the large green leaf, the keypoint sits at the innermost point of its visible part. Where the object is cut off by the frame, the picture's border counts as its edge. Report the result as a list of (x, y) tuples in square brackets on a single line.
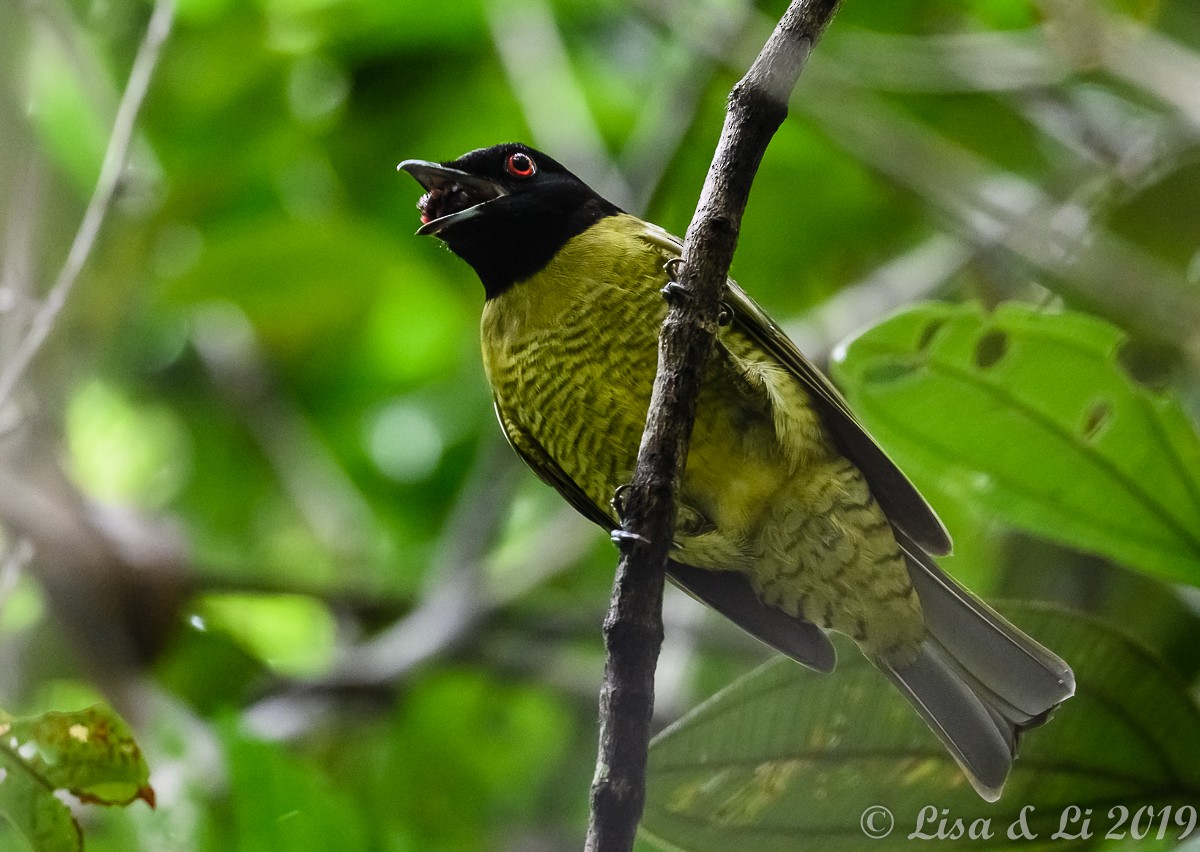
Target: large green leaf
[(786, 758), (1033, 415)]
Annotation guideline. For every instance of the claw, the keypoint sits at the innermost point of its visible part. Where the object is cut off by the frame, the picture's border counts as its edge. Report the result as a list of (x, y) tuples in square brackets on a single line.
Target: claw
[(618, 500), (725, 316), (675, 293), (621, 537)]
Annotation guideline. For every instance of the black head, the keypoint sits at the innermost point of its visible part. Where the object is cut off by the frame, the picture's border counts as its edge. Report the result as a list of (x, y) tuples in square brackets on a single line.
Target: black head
[(506, 210)]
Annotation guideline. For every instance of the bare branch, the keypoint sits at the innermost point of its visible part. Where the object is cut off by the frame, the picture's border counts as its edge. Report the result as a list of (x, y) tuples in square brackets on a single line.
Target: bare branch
[(1013, 60), (14, 556), (674, 97), (633, 628), (97, 209), (992, 208)]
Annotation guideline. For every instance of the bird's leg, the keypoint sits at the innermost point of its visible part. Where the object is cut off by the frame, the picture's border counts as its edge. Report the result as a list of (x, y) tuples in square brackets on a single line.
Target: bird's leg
[(620, 536), (618, 500), (674, 292)]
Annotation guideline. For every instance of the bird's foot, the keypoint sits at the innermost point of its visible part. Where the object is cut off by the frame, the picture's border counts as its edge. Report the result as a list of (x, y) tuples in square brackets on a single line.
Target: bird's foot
[(618, 501), (674, 292), (621, 537)]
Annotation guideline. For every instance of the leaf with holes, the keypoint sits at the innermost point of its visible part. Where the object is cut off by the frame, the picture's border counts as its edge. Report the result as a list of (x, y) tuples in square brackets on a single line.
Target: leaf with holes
[(786, 758), (91, 753), (1036, 417)]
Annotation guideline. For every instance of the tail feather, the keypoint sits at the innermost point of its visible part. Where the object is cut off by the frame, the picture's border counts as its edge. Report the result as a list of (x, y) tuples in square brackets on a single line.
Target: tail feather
[(980, 742), (977, 680)]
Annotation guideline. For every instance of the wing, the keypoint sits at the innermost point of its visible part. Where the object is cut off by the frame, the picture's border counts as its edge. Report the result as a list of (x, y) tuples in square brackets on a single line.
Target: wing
[(730, 593), (904, 505), (549, 471), (727, 592)]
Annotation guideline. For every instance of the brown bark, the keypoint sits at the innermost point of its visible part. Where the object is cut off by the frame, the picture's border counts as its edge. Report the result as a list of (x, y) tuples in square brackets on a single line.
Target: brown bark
[(633, 629)]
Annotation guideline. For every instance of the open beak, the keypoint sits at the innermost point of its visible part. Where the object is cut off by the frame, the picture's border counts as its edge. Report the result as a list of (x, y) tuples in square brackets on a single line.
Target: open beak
[(451, 196)]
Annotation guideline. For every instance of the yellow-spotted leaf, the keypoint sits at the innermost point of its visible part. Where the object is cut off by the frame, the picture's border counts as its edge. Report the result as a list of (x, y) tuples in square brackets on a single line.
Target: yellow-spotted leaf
[(90, 753), (787, 758), (1038, 418)]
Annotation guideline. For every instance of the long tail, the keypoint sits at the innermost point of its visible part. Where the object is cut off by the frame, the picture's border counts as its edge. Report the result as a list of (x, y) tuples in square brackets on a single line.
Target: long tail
[(978, 681)]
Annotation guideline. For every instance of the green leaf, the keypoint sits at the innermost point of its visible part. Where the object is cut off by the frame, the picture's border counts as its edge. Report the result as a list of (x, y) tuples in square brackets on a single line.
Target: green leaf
[(63, 110), (786, 758), (1033, 416), (293, 634), (30, 806), (90, 752), (283, 802)]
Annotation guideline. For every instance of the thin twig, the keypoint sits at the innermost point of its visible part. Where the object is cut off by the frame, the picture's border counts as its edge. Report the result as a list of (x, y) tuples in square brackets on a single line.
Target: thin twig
[(531, 49), (633, 626), (992, 208), (106, 187), (672, 102), (996, 208), (16, 265)]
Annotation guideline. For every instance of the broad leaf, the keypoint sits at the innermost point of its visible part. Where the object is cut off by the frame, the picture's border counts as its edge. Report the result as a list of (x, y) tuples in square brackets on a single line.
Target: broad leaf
[(786, 758), (32, 809), (90, 753), (1034, 416)]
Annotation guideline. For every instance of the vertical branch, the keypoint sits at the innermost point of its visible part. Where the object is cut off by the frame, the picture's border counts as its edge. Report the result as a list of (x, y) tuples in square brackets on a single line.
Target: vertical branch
[(102, 196), (633, 626)]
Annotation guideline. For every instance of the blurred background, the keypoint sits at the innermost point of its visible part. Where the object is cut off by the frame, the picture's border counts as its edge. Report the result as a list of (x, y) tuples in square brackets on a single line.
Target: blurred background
[(251, 488)]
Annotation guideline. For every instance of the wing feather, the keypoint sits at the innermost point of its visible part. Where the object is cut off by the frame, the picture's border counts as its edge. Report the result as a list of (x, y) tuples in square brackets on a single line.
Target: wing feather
[(728, 592), (904, 505)]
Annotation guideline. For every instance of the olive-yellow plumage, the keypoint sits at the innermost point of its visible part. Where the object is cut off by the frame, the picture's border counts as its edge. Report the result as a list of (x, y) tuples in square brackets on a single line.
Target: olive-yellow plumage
[(790, 518), (571, 355)]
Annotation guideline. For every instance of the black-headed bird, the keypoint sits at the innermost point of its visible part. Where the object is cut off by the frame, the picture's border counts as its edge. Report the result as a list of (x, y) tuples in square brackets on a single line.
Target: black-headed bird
[(791, 520)]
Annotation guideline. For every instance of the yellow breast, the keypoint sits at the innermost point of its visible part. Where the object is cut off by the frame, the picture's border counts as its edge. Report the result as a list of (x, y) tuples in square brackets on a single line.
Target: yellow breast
[(571, 353)]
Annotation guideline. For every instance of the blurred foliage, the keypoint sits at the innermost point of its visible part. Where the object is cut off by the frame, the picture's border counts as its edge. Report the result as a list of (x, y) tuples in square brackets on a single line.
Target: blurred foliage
[(251, 490)]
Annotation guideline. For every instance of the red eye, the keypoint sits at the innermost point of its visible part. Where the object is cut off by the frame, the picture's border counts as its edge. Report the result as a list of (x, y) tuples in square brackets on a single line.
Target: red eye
[(520, 165)]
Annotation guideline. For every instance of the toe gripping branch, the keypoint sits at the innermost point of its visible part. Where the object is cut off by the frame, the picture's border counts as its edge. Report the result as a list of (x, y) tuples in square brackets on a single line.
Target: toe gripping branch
[(676, 293), (620, 536), (618, 500)]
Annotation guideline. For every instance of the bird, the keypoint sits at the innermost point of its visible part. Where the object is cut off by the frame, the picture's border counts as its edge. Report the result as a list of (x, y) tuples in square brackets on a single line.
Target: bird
[(791, 520)]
